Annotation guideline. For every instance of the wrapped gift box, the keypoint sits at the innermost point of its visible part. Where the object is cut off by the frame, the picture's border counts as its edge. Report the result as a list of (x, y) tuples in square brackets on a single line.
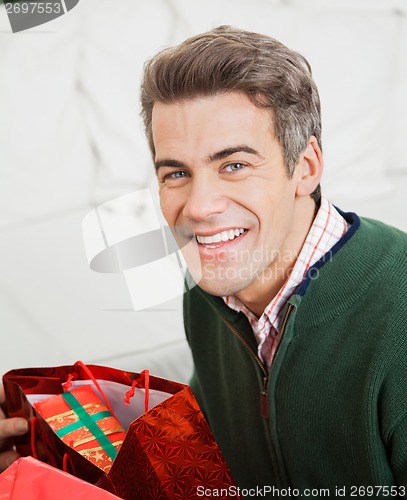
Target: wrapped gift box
[(85, 424)]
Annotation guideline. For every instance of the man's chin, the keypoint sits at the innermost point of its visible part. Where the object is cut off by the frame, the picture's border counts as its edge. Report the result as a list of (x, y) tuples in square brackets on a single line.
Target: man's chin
[(220, 281), (220, 288)]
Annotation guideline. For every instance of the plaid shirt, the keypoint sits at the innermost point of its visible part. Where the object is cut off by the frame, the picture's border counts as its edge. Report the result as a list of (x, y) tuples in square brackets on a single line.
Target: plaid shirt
[(327, 229)]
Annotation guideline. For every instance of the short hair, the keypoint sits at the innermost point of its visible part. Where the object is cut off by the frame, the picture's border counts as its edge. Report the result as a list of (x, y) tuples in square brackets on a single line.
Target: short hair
[(228, 59)]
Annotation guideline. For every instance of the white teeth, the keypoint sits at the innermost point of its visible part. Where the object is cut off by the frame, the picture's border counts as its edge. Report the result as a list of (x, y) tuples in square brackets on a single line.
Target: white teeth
[(224, 235), (229, 235)]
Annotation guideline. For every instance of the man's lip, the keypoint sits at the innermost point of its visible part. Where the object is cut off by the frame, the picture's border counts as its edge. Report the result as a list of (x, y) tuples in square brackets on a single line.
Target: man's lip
[(211, 250), (188, 235), (221, 238), (217, 231), (226, 235)]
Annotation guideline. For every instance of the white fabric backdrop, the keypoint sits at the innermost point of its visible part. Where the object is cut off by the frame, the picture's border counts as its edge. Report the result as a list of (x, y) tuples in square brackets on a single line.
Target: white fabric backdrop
[(70, 138)]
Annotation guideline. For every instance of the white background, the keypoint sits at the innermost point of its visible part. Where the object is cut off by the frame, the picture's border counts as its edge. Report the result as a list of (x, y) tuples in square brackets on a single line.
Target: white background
[(71, 139)]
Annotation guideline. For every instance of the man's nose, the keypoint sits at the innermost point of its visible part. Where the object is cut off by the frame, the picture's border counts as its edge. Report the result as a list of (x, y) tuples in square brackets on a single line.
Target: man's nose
[(205, 198)]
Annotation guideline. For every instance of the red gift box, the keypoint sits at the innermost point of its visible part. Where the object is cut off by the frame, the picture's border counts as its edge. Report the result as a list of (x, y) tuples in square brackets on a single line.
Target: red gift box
[(85, 424)]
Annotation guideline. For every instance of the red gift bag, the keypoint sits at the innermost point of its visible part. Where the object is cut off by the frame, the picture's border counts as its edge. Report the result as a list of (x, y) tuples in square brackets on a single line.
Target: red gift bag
[(29, 479), (168, 451)]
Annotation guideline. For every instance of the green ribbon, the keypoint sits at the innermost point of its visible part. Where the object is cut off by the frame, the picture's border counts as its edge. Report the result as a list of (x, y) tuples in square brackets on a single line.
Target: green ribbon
[(88, 421), (77, 425)]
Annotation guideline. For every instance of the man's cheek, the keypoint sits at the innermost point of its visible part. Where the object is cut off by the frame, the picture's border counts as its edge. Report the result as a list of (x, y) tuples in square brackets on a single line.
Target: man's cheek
[(190, 253)]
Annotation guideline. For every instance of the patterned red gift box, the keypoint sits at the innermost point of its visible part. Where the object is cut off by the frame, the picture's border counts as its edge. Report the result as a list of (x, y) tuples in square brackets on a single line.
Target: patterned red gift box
[(84, 423)]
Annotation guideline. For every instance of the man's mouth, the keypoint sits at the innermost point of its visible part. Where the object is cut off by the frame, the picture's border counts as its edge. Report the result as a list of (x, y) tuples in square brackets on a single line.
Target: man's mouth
[(217, 239)]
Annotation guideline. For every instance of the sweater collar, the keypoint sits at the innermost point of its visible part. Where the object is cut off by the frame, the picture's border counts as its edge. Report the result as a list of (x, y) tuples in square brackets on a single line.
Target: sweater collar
[(343, 275), (354, 223)]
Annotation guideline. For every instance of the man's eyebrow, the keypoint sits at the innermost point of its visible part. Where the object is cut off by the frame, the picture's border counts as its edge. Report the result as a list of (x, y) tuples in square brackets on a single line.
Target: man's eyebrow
[(242, 148), (219, 155), (168, 163)]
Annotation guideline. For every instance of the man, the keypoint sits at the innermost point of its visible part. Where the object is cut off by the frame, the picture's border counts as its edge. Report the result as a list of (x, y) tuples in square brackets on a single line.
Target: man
[(297, 325)]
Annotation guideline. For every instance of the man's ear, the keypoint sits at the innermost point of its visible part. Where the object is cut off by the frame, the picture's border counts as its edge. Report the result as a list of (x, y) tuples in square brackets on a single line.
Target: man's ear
[(309, 168)]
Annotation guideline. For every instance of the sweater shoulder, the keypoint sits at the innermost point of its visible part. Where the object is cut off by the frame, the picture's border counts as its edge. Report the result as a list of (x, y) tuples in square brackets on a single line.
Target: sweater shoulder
[(383, 233), (387, 240)]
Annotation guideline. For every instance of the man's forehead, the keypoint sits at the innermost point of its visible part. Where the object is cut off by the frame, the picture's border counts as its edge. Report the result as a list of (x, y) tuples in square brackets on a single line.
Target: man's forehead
[(211, 125), (216, 105)]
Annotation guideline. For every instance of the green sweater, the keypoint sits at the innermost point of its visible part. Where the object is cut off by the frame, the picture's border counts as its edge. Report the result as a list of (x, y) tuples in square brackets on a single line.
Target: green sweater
[(336, 395)]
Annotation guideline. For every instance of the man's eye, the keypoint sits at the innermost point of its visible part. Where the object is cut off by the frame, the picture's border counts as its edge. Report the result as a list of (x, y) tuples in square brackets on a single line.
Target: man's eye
[(178, 174), (233, 167)]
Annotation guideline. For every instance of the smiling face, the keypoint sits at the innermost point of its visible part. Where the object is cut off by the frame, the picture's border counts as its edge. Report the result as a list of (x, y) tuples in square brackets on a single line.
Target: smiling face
[(223, 185)]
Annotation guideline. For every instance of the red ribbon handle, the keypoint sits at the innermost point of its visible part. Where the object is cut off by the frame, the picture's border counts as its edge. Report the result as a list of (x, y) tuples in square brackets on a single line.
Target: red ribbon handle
[(74, 376), (142, 381)]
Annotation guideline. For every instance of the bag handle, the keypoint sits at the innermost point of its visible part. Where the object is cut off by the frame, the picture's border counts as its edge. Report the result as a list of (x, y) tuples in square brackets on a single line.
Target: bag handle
[(73, 376), (68, 384), (142, 381), (65, 464)]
